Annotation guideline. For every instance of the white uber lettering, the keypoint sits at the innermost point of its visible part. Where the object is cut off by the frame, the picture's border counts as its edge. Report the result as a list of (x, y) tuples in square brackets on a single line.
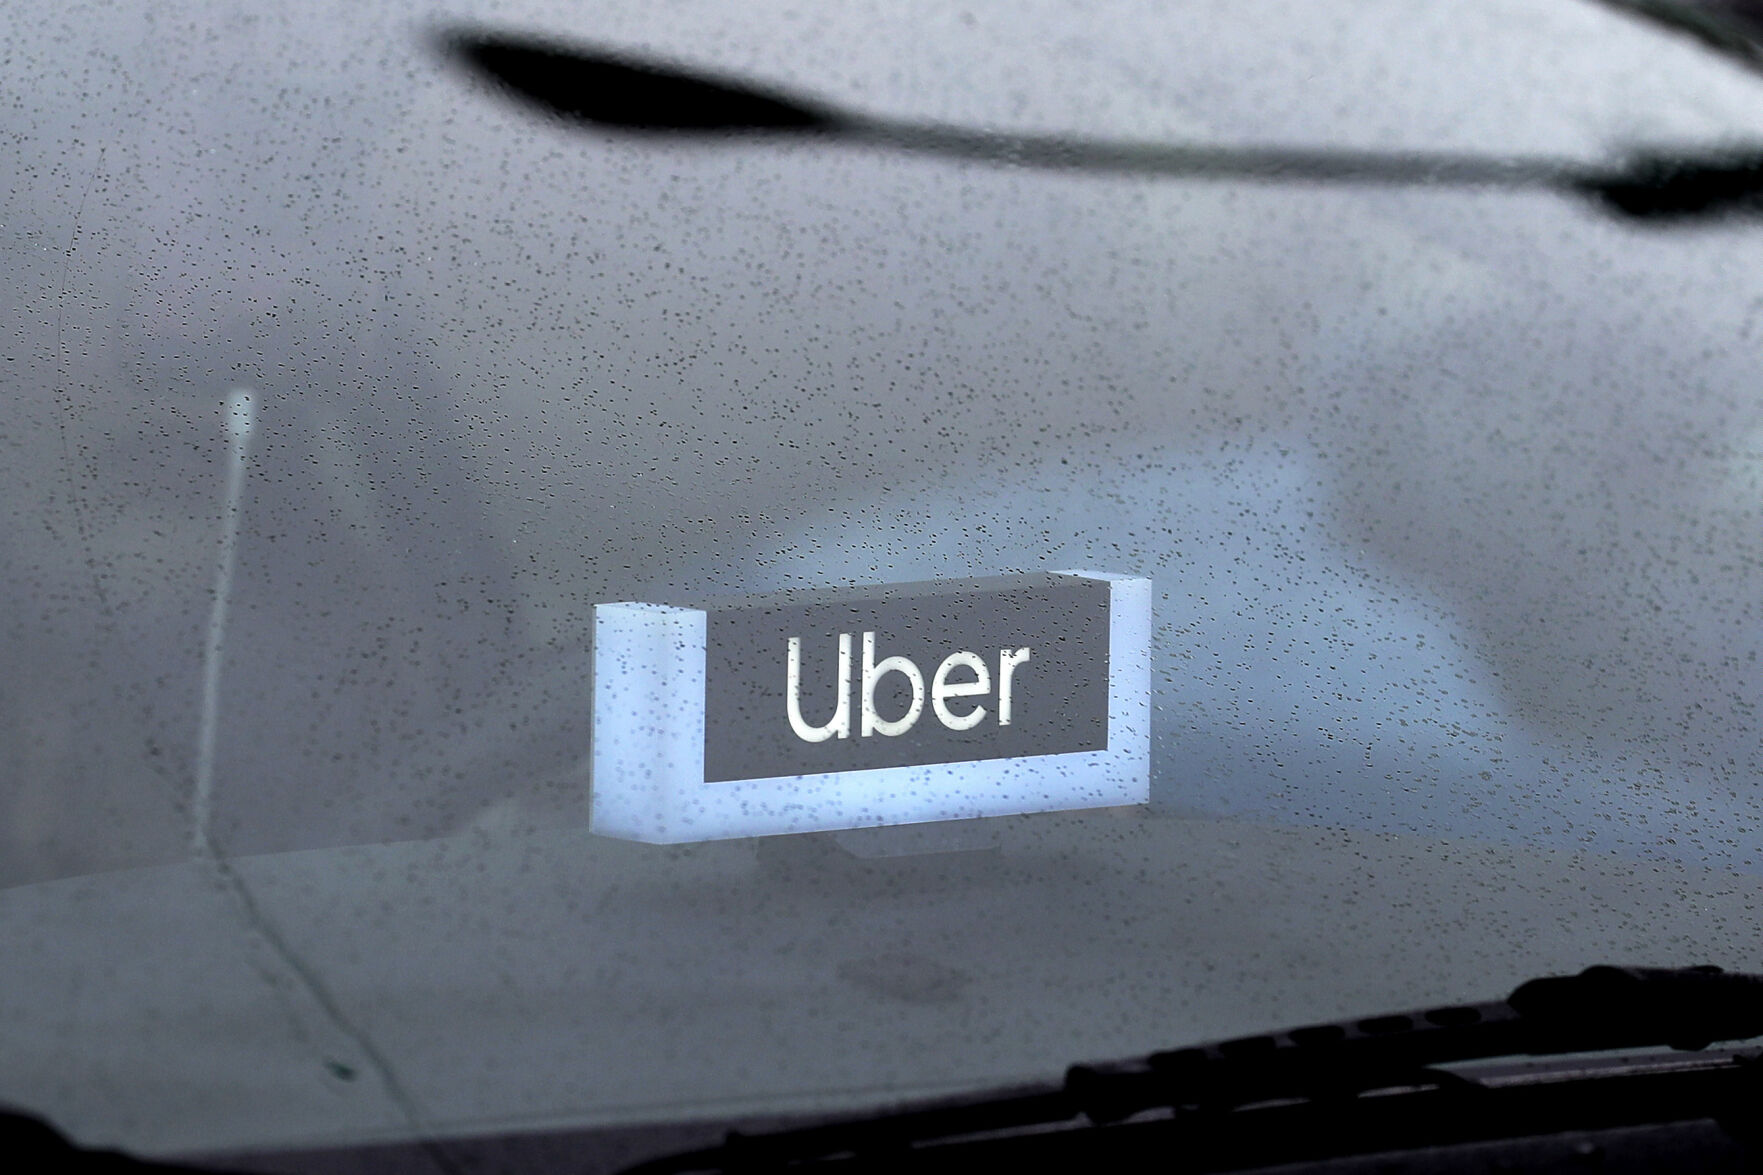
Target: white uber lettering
[(841, 719), (872, 674), (942, 689), (1007, 663)]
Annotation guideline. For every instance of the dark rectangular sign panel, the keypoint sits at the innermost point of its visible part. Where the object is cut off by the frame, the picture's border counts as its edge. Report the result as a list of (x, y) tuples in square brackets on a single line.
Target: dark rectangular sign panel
[(811, 683)]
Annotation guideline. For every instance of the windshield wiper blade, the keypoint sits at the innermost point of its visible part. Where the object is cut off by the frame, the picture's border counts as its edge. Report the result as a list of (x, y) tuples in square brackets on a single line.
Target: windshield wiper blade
[(609, 91), (1603, 1008), (1731, 27)]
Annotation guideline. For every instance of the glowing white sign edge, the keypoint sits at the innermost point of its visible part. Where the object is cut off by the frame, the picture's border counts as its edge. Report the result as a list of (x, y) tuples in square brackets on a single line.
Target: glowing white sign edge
[(648, 753)]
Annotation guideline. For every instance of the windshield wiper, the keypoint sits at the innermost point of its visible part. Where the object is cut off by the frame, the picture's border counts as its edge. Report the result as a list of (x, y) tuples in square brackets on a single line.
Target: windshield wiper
[(611, 91), (1732, 27), (1332, 1065)]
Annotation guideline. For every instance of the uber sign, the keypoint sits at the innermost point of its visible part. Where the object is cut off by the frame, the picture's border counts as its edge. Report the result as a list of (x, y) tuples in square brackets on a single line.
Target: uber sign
[(811, 710)]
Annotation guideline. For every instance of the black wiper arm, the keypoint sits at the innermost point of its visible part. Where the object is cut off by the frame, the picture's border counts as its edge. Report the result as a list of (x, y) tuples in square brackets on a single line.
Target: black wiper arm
[(1732, 27), (610, 91), (1600, 1009)]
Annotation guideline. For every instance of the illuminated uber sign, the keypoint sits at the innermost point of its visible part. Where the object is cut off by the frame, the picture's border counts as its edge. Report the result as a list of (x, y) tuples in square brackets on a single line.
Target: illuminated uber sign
[(810, 710)]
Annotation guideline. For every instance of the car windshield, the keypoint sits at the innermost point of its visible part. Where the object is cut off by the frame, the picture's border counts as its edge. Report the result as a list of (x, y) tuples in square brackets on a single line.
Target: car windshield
[(1363, 424)]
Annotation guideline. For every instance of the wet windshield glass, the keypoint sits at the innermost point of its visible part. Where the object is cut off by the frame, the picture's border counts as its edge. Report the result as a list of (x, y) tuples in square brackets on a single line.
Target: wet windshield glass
[(1400, 429)]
